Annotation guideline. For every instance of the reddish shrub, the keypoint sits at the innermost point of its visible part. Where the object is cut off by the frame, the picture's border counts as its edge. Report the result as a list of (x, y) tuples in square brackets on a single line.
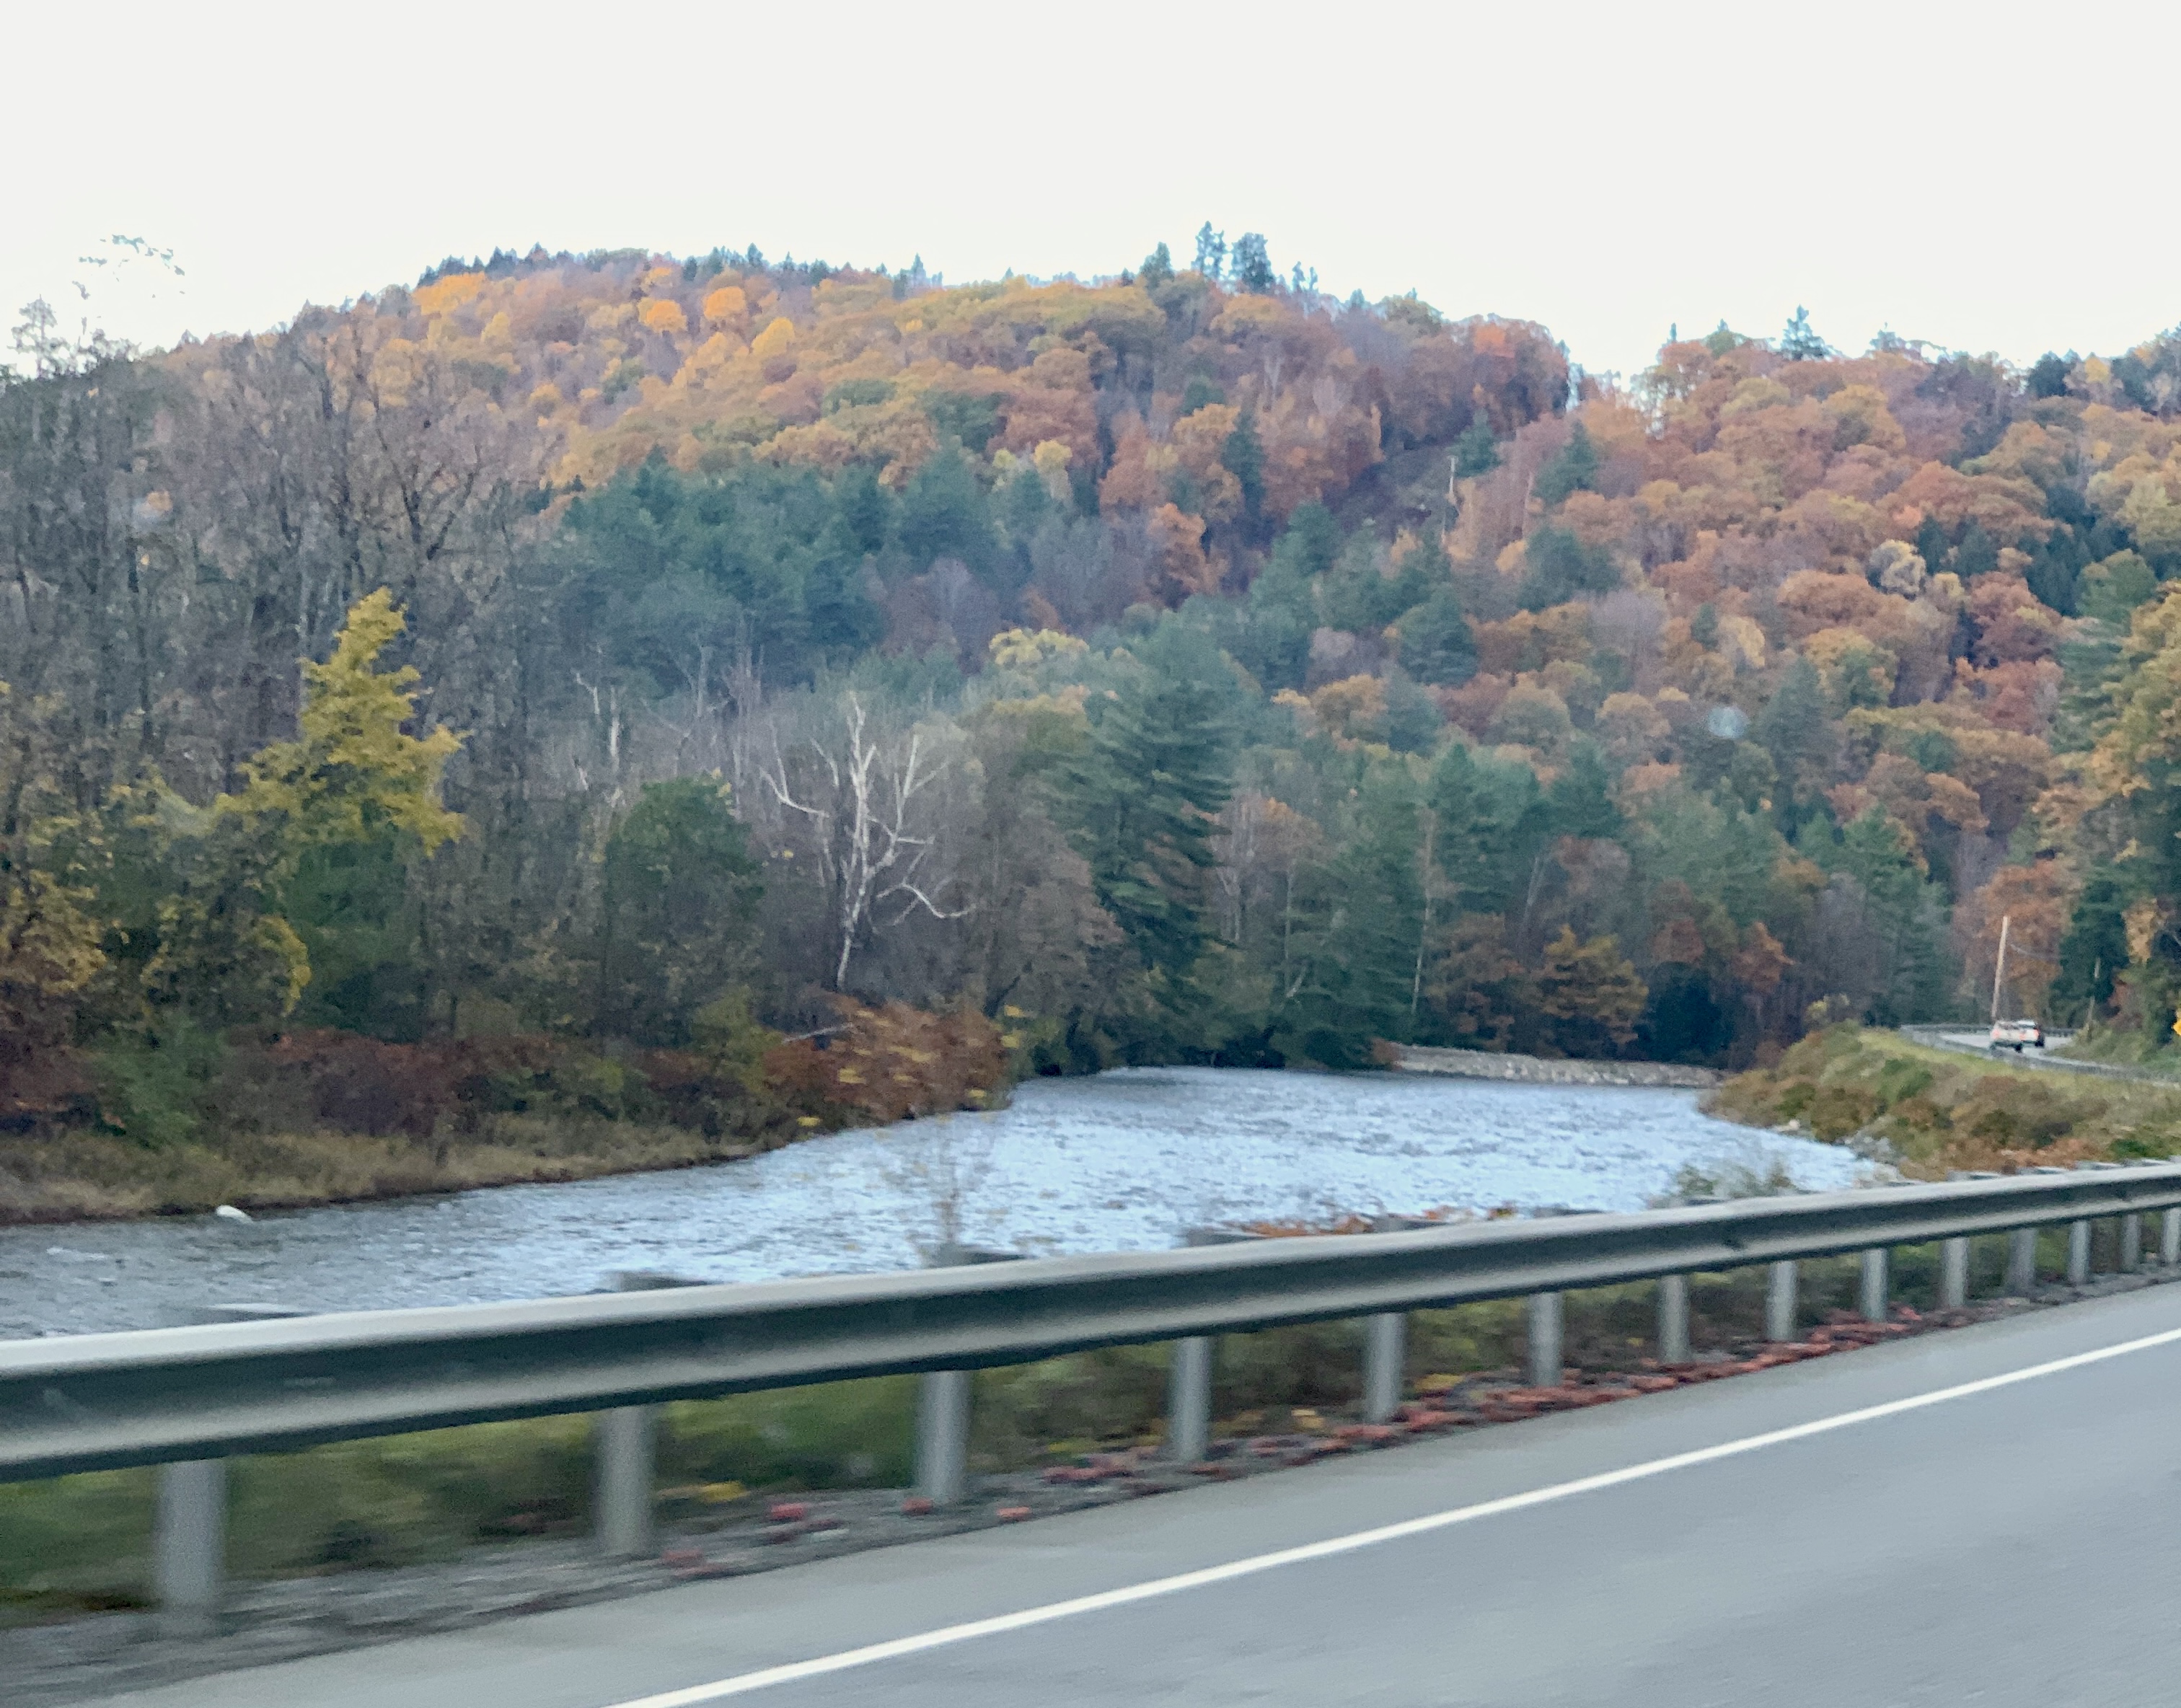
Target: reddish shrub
[(44, 1090), (889, 1064)]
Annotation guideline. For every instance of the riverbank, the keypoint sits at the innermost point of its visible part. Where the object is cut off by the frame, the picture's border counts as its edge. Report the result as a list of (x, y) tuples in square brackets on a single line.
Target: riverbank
[(97, 1177), (1537, 1070), (180, 1126), (1931, 1111)]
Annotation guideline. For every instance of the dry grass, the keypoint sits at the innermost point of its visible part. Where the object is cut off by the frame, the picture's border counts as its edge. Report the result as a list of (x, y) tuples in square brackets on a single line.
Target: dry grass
[(1941, 1110), (85, 1177)]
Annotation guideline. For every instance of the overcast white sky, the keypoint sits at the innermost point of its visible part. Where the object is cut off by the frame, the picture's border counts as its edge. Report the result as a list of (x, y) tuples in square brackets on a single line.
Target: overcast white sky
[(1986, 177)]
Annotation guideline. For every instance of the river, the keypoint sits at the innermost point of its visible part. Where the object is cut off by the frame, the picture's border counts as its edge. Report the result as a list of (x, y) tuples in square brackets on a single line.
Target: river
[(1119, 1161)]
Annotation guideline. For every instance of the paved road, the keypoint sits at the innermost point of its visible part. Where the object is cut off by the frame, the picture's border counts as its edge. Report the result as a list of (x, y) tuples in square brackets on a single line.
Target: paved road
[(2018, 1545), (1978, 1043)]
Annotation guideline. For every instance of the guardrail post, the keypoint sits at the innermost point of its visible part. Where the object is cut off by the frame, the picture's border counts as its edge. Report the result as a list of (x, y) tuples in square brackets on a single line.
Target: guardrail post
[(1782, 1291), (189, 1522), (2169, 1237), (2022, 1262), (1870, 1296), (1673, 1319), (1547, 1323), (625, 1451), (1953, 1274), (1189, 1369), (2121, 1239), (942, 1405), (2078, 1254), (1386, 1339), (1189, 1400), (1385, 1357), (2131, 1243), (1954, 1255), (189, 1547), (2022, 1248), (943, 1436)]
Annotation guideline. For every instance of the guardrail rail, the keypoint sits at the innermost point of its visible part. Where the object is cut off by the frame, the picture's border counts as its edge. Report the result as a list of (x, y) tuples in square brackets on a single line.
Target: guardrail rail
[(187, 1397)]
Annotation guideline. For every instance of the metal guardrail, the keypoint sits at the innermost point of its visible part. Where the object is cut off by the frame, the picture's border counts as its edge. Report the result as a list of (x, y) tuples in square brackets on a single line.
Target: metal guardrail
[(95, 1401), (187, 1398), (1963, 1039)]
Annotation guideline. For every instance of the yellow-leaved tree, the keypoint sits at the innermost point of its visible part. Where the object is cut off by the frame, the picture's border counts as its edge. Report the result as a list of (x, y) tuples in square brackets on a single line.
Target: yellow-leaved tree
[(354, 774), (346, 810)]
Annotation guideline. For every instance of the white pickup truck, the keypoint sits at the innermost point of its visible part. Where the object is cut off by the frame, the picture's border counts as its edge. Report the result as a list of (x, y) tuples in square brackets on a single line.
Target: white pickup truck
[(2012, 1035)]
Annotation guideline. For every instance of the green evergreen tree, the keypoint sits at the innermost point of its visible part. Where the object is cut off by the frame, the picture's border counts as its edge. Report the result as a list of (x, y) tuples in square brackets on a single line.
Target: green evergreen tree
[(1795, 729), (1253, 265), (1800, 342), (1580, 802), (2095, 949), (1359, 951), (1492, 820), (1906, 913), (944, 513), (1437, 643), (677, 918), (1412, 716), (1141, 799), (1475, 451), (1573, 470), (1244, 458), (1313, 537), (1559, 567)]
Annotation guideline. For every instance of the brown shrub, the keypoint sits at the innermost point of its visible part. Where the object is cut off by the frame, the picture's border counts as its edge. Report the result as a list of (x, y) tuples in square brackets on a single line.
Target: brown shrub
[(886, 1064), (359, 1085), (1837, 1111), (43, 1091), (2010, 1113)]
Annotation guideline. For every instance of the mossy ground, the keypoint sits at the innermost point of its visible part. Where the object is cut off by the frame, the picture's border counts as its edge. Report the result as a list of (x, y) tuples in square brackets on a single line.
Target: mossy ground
[(1941, 1110)]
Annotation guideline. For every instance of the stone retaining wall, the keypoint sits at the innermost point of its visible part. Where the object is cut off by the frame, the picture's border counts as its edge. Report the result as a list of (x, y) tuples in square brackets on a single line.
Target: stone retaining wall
[(1481, 1065)]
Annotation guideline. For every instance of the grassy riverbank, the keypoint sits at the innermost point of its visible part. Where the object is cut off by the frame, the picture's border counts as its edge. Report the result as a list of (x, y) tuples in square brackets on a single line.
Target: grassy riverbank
[(199, 1120), (94, 1176), (1940, 1110)]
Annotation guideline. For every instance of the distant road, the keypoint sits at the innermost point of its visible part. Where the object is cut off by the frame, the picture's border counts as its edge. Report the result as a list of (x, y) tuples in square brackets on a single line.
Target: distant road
[(1978, 1043), (1988, 1516)]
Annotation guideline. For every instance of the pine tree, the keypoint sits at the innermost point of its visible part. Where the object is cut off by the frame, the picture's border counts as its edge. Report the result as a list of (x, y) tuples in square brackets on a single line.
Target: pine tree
[(1211, 251), (1364, 914), (1142, 799), (1243, 456), (678, 913), (1491, 821), (1800, 341), (1573, 470), (1253, 265), (1437, 643), (1475, 451), (1580, 803)]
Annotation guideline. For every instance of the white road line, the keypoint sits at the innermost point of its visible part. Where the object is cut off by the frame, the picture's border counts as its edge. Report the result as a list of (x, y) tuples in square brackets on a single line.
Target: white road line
[(870, 1654)]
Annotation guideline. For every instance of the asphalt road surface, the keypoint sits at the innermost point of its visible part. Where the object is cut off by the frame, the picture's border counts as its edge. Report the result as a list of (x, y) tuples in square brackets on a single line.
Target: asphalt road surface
[(2016, 1543), (1978, 1043)]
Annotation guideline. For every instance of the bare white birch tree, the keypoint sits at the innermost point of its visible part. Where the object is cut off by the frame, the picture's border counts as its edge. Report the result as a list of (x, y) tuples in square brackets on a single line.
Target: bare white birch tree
[(869, 799)]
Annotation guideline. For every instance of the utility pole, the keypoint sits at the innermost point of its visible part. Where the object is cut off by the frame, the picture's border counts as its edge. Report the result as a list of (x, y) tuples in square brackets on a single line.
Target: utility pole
[(1999, 972)]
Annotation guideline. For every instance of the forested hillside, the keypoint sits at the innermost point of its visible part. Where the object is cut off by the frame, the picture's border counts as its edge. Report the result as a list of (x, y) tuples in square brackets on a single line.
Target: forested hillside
[(1184, 665)]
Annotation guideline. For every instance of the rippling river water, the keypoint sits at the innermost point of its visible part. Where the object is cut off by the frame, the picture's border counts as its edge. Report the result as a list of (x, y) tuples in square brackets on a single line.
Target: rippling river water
[(1122, 1161)]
